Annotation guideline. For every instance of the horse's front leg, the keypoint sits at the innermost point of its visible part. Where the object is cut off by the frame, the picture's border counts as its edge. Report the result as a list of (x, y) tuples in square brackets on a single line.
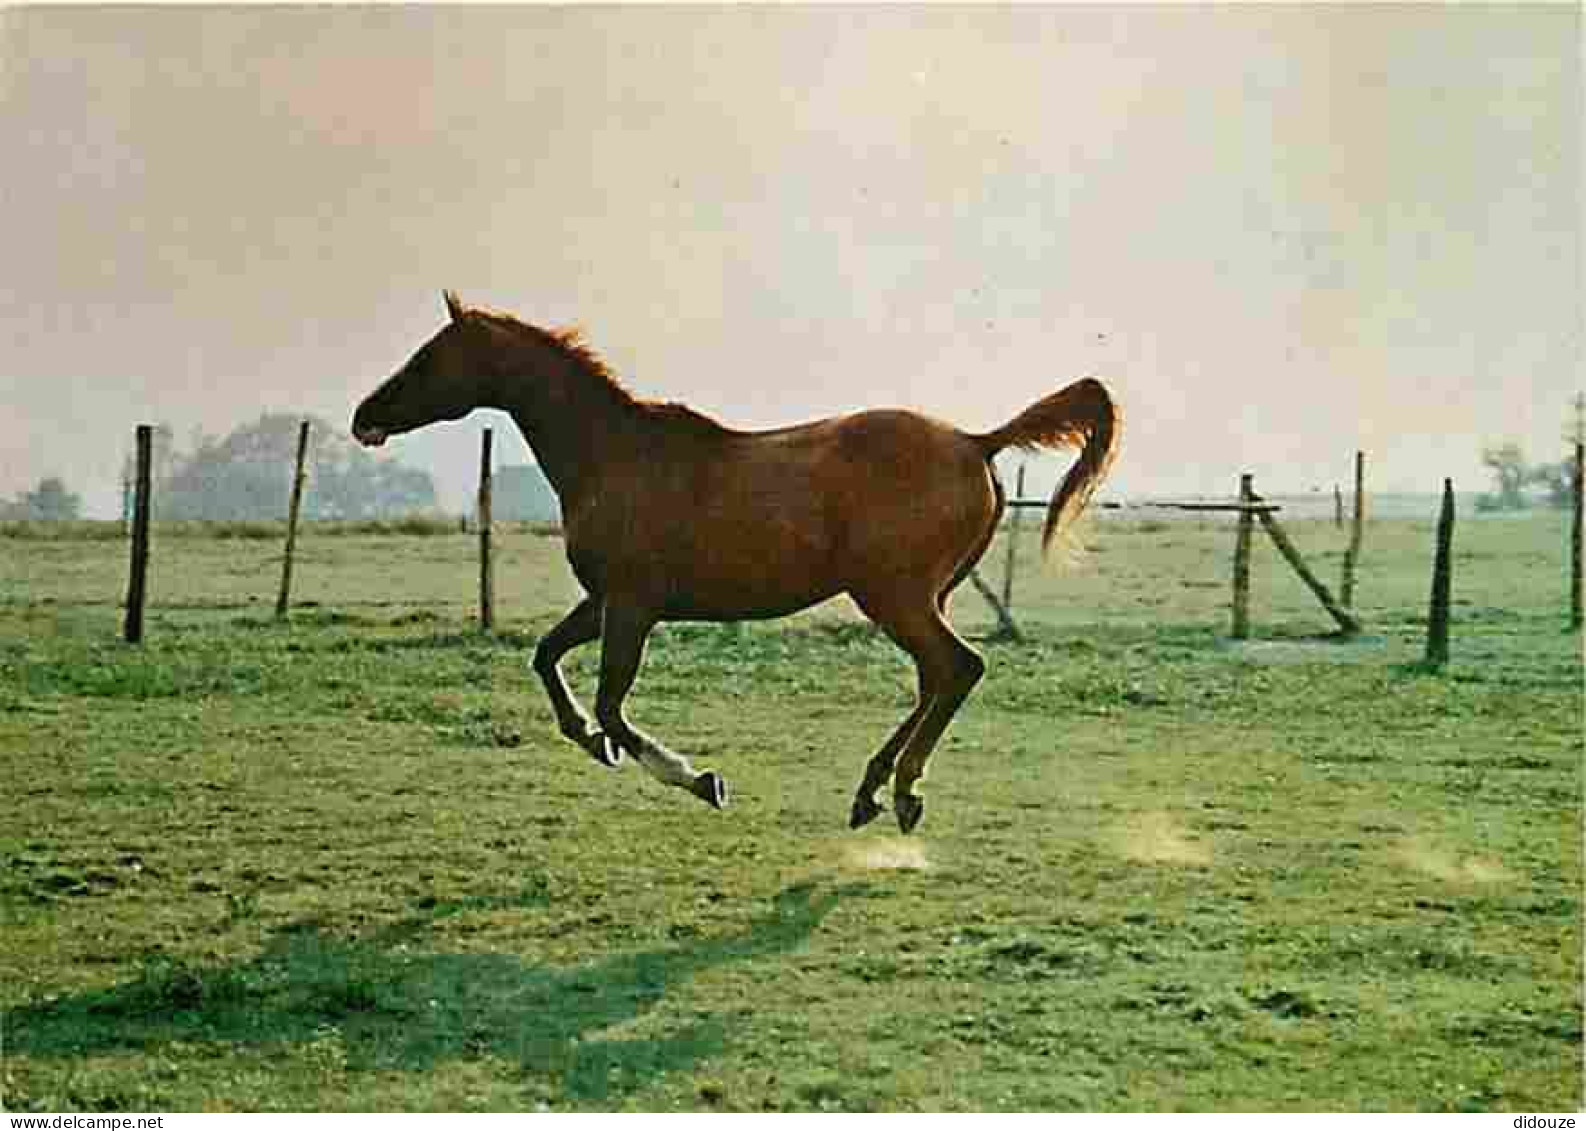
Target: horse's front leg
[(623, 634), (578, 627)]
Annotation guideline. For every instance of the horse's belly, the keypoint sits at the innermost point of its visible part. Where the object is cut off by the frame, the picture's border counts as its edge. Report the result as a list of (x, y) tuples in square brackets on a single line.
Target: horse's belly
[(735, 570), (727, 607)]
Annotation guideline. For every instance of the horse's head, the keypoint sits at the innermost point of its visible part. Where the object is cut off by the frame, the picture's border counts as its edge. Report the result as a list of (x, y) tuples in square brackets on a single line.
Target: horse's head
[(449, 377)]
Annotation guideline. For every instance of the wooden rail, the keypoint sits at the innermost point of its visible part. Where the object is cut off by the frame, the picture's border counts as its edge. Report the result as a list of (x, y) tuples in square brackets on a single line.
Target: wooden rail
[(1228, 508)]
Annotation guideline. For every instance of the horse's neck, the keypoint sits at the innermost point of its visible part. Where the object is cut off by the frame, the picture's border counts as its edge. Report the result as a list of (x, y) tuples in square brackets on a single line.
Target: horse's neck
[(570, 440), (559, 456)]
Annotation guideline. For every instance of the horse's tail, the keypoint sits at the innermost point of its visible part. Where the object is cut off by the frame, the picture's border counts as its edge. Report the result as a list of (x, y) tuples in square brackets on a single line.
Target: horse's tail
[(1081, 415)]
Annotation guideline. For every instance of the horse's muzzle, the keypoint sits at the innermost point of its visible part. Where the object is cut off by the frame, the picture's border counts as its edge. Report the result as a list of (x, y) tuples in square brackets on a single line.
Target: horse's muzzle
[(369, 437)]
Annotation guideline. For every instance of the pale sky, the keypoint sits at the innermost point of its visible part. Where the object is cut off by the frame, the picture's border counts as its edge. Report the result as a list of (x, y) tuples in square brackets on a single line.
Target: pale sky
[(1278, 233)]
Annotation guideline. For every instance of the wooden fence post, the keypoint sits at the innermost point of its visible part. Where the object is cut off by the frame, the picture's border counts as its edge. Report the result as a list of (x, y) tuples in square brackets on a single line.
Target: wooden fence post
[(487, 586), (1579, 484), (1346, 623), (284, 598), (1013, 539), (137, 585), (1442, 569), (1006, 629), (1356, 534), (1241, 598)]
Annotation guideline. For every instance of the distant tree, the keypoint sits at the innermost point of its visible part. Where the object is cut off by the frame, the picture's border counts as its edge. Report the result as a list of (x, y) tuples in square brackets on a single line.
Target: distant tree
[(353, 484), (1510, 475), (1557, 479), (50, 501), (247, 474)]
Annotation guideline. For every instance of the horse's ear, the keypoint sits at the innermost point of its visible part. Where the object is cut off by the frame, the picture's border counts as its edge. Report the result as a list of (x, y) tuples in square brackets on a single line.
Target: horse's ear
[(454, 305)]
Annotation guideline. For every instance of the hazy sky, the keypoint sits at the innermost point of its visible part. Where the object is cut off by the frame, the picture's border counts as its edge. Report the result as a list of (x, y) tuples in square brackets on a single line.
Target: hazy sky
[(1279, 232)]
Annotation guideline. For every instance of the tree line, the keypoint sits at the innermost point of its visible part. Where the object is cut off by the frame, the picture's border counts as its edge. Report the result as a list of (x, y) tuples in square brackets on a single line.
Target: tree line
[(1516, 482), (246, 475)]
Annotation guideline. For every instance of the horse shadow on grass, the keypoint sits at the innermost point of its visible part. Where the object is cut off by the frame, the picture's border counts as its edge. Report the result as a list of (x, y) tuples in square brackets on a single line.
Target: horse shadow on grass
[(395, 1007)]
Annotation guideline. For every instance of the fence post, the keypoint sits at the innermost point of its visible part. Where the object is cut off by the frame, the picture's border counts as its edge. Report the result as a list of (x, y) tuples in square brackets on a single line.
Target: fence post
[(1347, 624), (487, 595), (1241, 600), (1338, 506), (137, 586), (1013, 539), (284, 598), (1356, 534), (1579, 484), (1006, 628), (1442, 570)]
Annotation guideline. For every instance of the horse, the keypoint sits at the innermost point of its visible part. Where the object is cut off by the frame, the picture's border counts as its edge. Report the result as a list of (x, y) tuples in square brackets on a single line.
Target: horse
[(669, 515)]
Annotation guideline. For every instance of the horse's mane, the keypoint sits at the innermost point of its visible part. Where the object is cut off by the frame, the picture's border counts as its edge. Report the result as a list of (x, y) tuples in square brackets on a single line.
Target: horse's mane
[(571, 343)]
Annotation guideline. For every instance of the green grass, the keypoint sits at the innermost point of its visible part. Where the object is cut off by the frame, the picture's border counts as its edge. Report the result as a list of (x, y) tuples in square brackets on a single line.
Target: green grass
[(344, 862)]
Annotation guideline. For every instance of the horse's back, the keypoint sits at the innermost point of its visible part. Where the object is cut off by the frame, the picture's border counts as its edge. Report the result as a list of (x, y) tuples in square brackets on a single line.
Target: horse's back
[(748, 524), (875, 465)]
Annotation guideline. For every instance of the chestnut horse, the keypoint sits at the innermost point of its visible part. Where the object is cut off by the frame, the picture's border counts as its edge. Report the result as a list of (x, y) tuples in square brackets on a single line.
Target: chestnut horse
[(669, 515)]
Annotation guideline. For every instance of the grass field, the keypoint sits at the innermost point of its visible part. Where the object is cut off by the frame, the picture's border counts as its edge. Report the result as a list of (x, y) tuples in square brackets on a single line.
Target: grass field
[(346, 863)]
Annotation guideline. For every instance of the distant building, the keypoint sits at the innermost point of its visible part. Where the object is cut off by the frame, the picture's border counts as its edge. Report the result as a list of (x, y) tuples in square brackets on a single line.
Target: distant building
[(523, 494)]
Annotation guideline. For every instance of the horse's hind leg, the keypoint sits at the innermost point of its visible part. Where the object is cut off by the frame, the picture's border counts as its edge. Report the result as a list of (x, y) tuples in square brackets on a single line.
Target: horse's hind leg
[(966, 668), (866, 808), (948, 670), (578, 627), (621, 648), (879, 768)]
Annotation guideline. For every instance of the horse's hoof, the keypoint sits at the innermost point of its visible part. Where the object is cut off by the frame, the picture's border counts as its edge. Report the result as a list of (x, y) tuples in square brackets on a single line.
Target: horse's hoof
[(864, 811), (910, 809), (710, 787), (604, 751)]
